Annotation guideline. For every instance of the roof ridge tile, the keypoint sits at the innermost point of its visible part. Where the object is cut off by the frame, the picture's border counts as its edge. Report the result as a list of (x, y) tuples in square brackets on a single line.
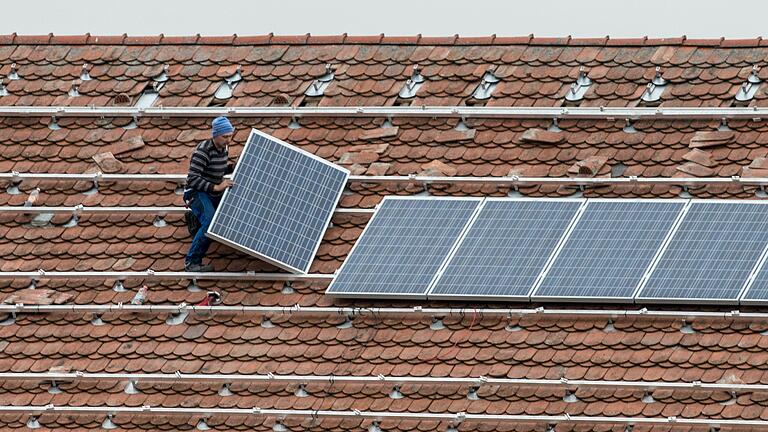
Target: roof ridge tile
[(371, 39), (513, 40), (254, 40), (438, 40), (180, 40), (704, 42), (142, 40), (105, 40), (741, 43), (327, 39), (472, 40), (401, 40), (218, 40), (626, 41), (550, 41), (34, 39)]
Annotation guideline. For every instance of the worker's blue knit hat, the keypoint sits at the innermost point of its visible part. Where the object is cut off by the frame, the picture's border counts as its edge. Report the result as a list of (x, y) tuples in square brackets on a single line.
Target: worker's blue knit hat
[(221, 126)]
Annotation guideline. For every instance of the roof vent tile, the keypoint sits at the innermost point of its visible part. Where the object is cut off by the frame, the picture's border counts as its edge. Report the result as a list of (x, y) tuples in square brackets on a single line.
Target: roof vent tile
[(590, 166), (318, 87), (748, 90)]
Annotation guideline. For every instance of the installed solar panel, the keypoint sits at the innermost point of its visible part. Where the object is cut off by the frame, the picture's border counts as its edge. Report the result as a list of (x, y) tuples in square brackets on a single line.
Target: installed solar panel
[(403, 246), (281, 203), (757, 291), (505, 249), (711, 254), (609, 250)]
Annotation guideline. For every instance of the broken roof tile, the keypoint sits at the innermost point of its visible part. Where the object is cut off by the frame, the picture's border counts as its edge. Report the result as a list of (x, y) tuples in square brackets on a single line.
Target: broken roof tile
[(437, 168), (450, 136), (711, 138), (542, 136), (379, 133), (696, 170), (700, 157)]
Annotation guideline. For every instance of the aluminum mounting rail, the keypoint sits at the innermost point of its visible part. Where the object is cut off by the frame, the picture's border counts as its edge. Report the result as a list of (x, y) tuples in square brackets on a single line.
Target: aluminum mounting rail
[(609, 113), (396, 381), (80, 209), (377, 416), (350, 312), (509, 181), (168, 275)]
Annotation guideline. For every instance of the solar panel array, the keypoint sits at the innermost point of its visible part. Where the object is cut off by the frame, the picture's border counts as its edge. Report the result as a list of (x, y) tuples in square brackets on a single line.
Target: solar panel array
[(562, 250), (281, 203)]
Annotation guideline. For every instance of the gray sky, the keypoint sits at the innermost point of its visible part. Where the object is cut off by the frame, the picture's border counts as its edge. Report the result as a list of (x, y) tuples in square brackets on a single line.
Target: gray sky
[(580, 18)]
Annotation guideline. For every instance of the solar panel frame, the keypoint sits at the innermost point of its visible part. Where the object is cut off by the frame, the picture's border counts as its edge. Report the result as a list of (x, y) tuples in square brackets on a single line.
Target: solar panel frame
[(483, 297), (607, 299), (402, 295), (639, 298), (259, 255)]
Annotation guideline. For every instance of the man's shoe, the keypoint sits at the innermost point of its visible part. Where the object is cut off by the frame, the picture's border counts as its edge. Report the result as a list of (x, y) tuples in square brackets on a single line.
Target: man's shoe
[(197, 267)]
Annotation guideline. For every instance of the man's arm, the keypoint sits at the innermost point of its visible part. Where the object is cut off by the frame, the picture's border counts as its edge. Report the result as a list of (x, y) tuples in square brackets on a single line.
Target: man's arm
[(197, 166)]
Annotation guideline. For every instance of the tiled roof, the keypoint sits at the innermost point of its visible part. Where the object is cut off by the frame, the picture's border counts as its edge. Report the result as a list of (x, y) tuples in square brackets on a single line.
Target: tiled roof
[(367, 71)]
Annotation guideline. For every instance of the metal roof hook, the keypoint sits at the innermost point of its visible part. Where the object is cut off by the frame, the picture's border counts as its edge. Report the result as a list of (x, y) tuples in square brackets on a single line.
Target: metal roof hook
[(179, 316), (84, 76), (75, 217), (107, 423), (73, 91), (13, 74), (54, 124)]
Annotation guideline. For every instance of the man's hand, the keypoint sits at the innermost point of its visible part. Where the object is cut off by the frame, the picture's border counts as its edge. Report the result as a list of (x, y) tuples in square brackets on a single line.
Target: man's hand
[(221, 187)]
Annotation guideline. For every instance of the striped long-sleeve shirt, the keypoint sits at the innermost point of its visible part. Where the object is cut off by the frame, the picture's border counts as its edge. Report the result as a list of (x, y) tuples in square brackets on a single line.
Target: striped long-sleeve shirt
[(207, 167)]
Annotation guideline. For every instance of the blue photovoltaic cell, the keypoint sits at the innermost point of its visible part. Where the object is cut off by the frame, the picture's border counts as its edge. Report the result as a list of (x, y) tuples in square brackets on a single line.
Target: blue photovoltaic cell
[(609, 250), (506, 248), (758, 292), (281, 203), (711, 254), (403, 246)]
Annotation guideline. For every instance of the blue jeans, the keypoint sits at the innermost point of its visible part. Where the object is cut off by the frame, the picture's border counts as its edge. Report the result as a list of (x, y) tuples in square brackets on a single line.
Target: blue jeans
[(203, 205)]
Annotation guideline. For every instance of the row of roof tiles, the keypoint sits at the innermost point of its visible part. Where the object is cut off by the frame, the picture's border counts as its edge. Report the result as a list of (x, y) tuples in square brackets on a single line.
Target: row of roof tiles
[(380, 39)]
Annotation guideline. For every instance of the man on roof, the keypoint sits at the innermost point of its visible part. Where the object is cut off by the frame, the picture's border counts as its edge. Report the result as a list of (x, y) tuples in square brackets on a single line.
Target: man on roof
[(205, 186)]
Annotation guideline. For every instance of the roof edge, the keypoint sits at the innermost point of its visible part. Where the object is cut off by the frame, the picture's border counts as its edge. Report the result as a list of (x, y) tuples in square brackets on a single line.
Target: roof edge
[(380, 39)]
